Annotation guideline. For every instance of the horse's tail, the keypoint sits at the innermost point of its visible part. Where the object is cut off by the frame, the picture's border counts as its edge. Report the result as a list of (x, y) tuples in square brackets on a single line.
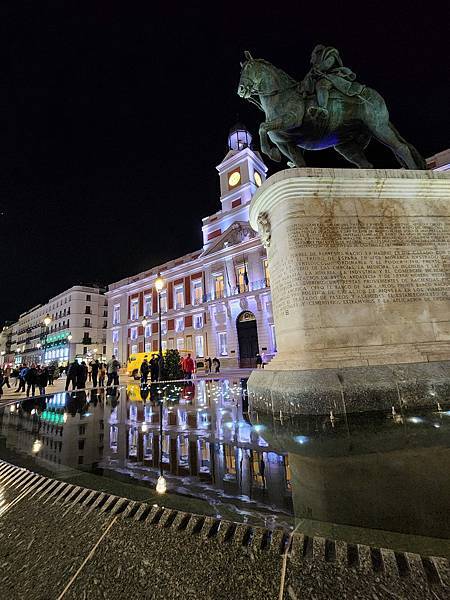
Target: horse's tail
[(419, 160)]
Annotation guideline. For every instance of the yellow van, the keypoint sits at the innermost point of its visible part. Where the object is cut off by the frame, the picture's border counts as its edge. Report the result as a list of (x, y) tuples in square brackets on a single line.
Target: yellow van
[(135, 361)]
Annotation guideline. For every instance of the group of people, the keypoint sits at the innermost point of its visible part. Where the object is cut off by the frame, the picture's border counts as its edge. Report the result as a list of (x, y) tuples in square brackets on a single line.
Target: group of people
[(28, 378), (95, 372), (150, 368), (210, 364), (261, 360)]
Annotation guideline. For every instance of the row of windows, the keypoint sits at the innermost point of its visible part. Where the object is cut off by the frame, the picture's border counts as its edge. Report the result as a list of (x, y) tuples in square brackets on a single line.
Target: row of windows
[(242, 284), (180, 343), (185, 343), (197, 322)]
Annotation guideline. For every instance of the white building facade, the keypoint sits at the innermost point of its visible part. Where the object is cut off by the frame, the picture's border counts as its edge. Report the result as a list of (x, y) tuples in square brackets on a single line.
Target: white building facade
[(216, 301), (77, 328)]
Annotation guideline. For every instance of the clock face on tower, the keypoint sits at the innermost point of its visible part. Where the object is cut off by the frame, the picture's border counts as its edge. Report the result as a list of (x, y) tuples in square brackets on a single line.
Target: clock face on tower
[(257, 178), (234, 178)]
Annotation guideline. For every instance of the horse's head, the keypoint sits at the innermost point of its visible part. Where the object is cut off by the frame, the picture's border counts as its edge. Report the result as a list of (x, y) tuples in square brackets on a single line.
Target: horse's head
[(251, 78)]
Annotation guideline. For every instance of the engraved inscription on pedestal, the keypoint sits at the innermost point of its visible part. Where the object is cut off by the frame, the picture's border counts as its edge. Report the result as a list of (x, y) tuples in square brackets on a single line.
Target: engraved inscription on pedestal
[(373, 261)]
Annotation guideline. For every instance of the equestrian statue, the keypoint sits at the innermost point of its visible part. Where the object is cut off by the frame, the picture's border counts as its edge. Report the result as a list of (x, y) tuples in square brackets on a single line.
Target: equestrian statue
[(329, 108)]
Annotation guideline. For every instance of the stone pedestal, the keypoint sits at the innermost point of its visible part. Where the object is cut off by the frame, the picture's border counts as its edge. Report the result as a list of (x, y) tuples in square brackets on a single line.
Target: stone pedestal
[(359, 264)]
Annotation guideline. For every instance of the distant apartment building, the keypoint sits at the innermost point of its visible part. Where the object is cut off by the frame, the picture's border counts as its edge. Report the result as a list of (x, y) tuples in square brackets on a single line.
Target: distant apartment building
[(5, 342), (439, 161), (78, 319)]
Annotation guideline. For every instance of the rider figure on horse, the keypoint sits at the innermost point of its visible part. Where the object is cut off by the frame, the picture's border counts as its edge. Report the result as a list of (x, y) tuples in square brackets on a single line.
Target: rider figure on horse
[(327, 72)]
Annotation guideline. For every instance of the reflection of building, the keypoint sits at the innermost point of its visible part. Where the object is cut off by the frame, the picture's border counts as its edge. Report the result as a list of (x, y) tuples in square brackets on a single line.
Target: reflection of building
[(217, 299), (55, 436), (205, 439), (208, 448), (81, 311)]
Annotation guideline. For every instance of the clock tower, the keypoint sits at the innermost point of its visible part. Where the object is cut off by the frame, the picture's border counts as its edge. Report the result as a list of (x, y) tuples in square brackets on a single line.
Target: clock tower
[(241, 173), (242, 170)]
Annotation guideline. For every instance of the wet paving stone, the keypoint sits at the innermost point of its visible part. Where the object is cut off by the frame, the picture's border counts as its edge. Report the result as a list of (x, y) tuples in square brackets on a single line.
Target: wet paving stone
[(140, 560), (41, 547)]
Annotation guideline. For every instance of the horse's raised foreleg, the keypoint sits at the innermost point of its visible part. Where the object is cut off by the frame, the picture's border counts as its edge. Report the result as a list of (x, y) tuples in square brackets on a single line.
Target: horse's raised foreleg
[(293, 153), (280, 123)]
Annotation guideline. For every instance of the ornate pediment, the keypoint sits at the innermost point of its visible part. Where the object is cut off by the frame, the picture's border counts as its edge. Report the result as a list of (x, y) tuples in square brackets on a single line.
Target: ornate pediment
[(238, 232)]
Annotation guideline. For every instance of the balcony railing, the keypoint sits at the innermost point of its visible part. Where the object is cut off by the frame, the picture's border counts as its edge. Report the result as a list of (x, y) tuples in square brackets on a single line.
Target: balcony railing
[(253, 286)]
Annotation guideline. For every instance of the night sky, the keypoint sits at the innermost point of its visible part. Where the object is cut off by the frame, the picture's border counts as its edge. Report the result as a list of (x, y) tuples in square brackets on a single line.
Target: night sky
[(113, 120)]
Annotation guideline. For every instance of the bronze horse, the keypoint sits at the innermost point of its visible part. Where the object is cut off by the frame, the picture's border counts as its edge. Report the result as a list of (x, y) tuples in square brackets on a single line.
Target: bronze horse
[(350, 124)]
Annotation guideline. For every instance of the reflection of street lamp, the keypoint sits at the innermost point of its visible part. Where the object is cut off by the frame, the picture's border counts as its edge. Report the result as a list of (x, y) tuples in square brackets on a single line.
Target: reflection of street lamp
[(159, 285), (144, 324), (47, 321), (161, 484)]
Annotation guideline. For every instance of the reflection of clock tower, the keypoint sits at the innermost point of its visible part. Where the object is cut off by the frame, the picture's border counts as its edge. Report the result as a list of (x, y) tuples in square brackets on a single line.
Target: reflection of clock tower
[(241, 172)]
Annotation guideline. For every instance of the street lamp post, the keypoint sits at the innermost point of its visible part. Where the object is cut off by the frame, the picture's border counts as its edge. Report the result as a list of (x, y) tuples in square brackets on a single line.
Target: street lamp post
[(47, 321), (159, 285), (144, 324), (69, 337)]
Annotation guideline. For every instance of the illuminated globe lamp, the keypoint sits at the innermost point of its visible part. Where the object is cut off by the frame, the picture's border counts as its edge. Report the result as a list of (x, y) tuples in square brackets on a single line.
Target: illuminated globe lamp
[(239, 137), (47, 320), (159, 283)]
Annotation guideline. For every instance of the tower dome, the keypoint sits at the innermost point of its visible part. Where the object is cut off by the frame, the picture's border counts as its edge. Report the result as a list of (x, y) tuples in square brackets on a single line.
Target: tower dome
[(239, 137)]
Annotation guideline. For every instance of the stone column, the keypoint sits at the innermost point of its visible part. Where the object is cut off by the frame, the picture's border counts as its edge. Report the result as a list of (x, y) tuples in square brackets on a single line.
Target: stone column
[(360, 275)]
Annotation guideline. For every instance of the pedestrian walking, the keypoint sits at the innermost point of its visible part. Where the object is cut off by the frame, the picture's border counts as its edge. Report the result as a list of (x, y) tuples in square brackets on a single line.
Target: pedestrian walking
[(6, 376), (264, 359), (95, 366), (42, 380), (154, 368), (208, 365), (72, 374), (82, 376), (145, 368), (112, 370), (216, 364), (15, 376), (101, 375), (89, 368), (188, 366), (51, 374), (22, 374), (259, 361), (31, 380)]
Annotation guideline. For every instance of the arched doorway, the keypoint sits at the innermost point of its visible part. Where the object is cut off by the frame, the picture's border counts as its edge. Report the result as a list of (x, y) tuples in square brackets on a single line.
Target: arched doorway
[(248, 339)]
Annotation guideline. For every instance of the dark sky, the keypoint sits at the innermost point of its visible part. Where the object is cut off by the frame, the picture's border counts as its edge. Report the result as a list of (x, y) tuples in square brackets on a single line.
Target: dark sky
[(113, 119)]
